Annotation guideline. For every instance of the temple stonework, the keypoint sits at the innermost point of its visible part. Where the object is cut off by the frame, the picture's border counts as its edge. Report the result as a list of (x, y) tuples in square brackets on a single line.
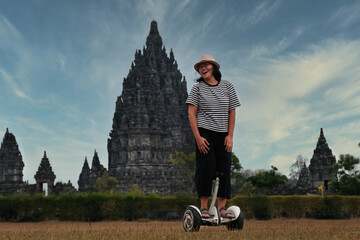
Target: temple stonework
[(320, 171), (84, 178), (11, 165), (304, 182), (45, 174), (150, 123), (321, 163), (89, 176), (11, 172)]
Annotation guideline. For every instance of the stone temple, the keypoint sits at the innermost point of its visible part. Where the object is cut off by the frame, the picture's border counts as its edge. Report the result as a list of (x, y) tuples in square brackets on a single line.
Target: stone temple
[(88, 176), (320, 171), (150, 123), (45, 174), (11, 165), (321, 163)]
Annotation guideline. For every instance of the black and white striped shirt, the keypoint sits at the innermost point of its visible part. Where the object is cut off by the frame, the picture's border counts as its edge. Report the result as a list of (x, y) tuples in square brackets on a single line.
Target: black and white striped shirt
[(214, 103)]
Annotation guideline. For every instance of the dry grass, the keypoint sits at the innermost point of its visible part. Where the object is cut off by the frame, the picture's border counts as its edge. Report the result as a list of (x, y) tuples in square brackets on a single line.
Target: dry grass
[(254, 229)]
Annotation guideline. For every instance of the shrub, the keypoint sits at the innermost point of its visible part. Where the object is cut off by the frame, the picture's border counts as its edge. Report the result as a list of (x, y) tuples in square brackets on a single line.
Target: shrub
[(8, 209), (134, 206)]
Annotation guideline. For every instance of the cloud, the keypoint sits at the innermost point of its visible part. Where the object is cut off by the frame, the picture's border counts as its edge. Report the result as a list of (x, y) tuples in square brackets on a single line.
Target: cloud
[(34, 127), (15, 59), (179, 9), (283, 163), (66, 146), (161, 10), (285, 98), (153, 8), (346, 16), (9, 34), (62, 61), (14, 86), (287, 91), (259, 13), (344, 139), (277, 46)]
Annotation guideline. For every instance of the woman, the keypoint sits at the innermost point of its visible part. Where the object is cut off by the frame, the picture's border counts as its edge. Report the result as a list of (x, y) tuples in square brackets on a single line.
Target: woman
[(212, 102)]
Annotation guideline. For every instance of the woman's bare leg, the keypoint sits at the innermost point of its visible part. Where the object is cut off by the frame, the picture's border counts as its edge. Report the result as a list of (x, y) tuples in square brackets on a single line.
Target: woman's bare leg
[(221, 204), (204, 205)]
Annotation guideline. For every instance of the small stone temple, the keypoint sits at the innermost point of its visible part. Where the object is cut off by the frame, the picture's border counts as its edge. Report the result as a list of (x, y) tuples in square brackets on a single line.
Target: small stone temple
[(321, 163), (89, 176), (150, 123), (84, 178), (320, 170), (45, 174), (304, 182), (11, 165)]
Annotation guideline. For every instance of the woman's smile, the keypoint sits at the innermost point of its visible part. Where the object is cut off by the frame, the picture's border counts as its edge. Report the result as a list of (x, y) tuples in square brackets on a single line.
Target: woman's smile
[(205, 68)]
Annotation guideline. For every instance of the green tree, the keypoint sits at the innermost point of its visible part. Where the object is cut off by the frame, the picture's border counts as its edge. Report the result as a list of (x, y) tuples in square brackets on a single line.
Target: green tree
[(235, 171), (246, 188), (135, 190), (105, 184), (268, 179), (236, 174), (348, 182)]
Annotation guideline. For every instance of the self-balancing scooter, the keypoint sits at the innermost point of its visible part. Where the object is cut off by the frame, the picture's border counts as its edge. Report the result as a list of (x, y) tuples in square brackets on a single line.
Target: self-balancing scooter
[(192, 217)]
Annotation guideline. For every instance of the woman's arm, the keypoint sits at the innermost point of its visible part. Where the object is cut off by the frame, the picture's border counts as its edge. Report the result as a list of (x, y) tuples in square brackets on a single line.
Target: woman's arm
[(201, 142), (229, 138)]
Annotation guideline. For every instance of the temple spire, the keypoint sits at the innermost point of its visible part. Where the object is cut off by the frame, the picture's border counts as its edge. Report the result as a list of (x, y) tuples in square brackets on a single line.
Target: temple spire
[(86, 164), (321, 144), (84, 178), (322, 133), (154, 40), (95, 161), (154, 28), (172, 56), (45, 166)]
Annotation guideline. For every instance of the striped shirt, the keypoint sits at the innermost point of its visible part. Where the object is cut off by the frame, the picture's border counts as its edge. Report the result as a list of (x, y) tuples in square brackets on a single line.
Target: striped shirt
[(213, 103)]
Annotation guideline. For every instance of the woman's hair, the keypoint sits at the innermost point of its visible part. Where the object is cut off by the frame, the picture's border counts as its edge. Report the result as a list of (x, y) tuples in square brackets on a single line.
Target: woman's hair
[(216, 73)]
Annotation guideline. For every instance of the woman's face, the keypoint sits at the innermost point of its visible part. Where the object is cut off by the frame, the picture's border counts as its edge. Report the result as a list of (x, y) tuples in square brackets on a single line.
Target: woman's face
[(206, 69)]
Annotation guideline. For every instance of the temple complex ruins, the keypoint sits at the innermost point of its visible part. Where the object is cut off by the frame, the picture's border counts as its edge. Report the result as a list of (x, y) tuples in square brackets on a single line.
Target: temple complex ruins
[(149, 124), (11, 172)]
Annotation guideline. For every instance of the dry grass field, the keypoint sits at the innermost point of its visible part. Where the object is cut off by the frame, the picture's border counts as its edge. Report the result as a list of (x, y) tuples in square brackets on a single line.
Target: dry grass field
[(253, 229)]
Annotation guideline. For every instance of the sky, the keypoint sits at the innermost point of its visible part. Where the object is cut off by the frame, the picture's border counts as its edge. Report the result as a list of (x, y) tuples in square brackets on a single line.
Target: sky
[(295, 66)]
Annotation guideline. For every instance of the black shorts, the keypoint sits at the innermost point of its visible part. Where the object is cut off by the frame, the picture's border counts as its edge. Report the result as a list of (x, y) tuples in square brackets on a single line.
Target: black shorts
[(216, 163)]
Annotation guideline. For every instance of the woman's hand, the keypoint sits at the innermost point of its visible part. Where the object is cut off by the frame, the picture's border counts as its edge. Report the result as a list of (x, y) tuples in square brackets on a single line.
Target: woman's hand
[(228, 143), (203, 145)]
